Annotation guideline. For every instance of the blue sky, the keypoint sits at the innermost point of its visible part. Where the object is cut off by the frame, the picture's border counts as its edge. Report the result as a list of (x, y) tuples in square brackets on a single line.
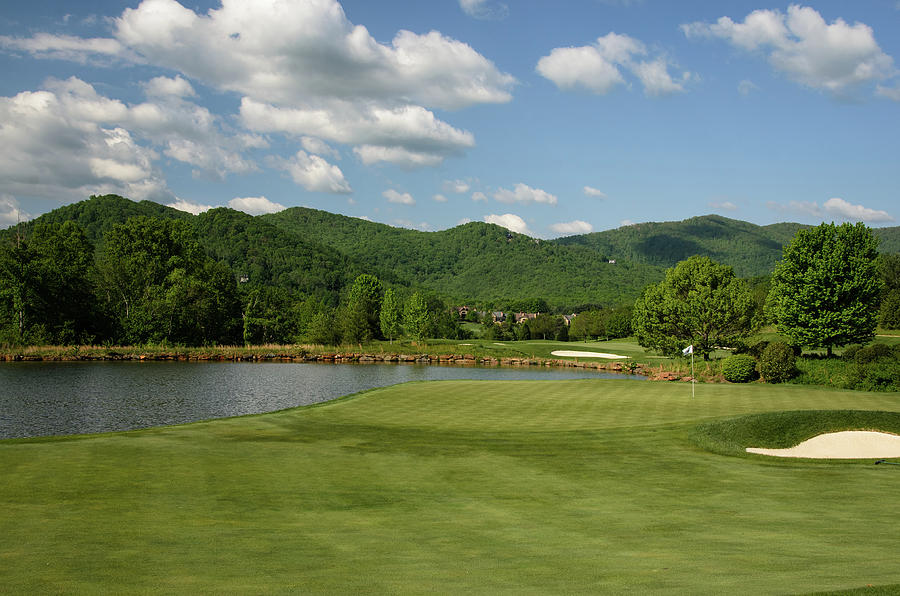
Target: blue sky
[(551, 118)]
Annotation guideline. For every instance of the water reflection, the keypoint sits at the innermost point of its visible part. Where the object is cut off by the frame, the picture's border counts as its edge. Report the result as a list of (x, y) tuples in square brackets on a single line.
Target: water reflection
[(61, 398)]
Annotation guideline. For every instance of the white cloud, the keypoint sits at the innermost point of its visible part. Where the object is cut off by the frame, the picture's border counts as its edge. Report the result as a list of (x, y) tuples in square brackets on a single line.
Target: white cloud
[(596, 68), (723, 205), (833, 57), (484, 9), (423, 226), (572, 227), (463, 221), (456, 186), (65, 47), (314, 173), (319, 147), (479, 196), (510, 221), (293, 51), (405, 135), (746, 87), (396, 197), (523, 193), (590, 191), (165, 86), (834, 207), (195, 208), (842, 209), (439, 198), (331, 78), (10, 212), (892, 93), (255, 205), (373, 154), (67, 142), (626, 222)]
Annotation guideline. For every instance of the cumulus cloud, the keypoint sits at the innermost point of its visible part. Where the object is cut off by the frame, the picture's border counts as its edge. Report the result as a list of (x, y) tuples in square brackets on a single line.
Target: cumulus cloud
[(255, 205), (840, 208), (314, 173), (590, 191), (510, 221), (723, 205), (302, 68), (439, 198), (832, 57), (523, 193), (892, 93), (67, 142), (319, 147), (572, 227), (195, 208), (165, 86), (487, 10), (422, 226), (66, 47), (479, 196), (597, 68), (834, 207), (396, 197), (404, 135), (10, 212), (456, 186), (291, 52), (746, 87)]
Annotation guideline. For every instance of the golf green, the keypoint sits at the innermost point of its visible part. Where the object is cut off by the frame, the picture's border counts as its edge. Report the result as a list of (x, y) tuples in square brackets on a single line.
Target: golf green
[(516, 487)]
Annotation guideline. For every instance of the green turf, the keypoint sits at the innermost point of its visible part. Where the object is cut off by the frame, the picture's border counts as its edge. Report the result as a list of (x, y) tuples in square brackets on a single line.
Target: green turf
[(530, 487)]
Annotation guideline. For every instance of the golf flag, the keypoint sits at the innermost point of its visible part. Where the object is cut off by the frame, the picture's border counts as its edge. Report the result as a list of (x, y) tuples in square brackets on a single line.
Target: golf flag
[(688, 350)]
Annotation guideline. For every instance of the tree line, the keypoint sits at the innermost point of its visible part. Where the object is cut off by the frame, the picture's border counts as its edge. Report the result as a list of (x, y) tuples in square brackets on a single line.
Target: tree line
[(830, 289), (151, 281)]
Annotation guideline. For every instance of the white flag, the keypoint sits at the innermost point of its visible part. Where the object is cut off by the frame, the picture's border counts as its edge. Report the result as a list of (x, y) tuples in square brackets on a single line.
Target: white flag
[(688, 350)]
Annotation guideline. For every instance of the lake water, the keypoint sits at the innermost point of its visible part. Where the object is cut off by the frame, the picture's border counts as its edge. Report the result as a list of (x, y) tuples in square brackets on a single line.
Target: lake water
[(63, 398)]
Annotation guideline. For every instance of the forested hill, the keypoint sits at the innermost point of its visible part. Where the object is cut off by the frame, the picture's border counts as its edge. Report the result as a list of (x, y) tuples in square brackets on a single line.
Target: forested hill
[(751, 249), (475, 262)]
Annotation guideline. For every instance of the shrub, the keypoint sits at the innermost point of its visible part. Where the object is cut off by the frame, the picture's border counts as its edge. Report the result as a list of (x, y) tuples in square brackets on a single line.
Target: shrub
[(876, 368), (777, 363), (739, 368), (757, 349)]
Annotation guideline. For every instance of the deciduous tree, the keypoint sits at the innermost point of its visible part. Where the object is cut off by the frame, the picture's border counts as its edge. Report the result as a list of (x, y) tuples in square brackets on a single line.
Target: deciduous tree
[(825, 290), (700, 302)]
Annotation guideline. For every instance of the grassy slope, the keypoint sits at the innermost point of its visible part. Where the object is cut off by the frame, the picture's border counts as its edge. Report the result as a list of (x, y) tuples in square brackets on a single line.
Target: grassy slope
[(487, 487)]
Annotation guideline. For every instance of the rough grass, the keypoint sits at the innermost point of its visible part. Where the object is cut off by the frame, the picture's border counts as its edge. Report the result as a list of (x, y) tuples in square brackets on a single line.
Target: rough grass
[(778, 430), (528, 487)]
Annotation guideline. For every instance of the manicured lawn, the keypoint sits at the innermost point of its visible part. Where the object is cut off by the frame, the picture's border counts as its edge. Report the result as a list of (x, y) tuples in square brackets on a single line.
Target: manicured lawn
[(528, 487)]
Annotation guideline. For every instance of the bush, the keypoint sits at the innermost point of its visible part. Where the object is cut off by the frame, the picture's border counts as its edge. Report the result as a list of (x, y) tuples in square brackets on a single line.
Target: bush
[(876, 368), (739, 368), (777, 363), (757, 349)]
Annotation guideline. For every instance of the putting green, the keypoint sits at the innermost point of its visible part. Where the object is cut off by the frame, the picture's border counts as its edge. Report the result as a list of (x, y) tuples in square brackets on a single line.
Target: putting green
[(528, 487)]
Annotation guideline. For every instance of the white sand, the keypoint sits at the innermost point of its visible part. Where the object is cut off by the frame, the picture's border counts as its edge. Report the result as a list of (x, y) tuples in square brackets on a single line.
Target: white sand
[(574, 354), (851, 444)]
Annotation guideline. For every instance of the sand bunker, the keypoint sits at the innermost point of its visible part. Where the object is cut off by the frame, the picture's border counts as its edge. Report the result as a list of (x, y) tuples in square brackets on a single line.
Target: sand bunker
[(851, 444), (574, 354)]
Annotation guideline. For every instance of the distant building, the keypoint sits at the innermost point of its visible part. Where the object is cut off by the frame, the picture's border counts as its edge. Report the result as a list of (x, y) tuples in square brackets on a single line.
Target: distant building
[(567, 319)]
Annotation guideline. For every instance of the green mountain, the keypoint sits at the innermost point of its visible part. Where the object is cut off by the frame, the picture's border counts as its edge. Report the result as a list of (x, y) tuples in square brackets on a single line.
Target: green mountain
[(475, 262), (320, 253), (751, 249)]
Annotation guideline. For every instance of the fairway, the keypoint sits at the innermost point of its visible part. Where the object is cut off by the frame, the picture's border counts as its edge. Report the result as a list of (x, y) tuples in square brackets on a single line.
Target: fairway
[(514, 487)]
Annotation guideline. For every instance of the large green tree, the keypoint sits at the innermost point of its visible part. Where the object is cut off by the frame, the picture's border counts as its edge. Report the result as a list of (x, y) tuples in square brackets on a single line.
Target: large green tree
[(46, 291), (391, 315), (361, 316), (825, 290), (889, 317), (160, 286), (700, 302), (415, 317)]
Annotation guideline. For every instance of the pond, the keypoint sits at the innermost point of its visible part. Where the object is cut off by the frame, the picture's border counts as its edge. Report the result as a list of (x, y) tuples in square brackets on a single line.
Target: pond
[(63, 398)]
